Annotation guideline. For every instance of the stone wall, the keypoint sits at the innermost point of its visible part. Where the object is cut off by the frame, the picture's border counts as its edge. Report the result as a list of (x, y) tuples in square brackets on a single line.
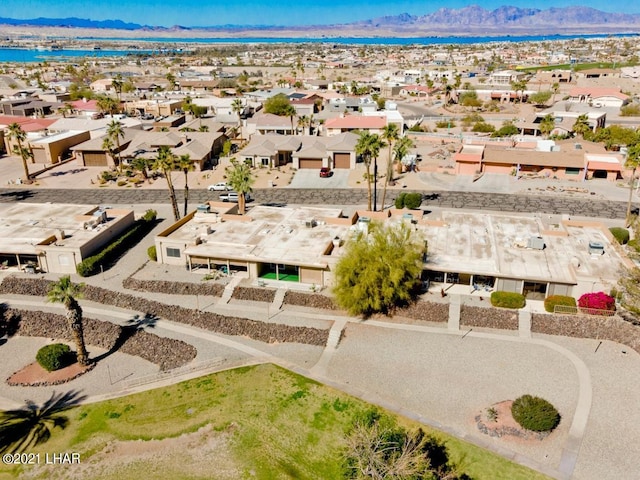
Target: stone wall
[(167, 353), (489, 317), (425, 312), (599, 328), (227, 325), (174, 288), (255, 294), (313, 300)]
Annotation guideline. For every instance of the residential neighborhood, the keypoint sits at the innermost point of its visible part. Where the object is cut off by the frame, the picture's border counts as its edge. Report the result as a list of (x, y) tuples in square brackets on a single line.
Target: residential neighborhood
[(432, 230)]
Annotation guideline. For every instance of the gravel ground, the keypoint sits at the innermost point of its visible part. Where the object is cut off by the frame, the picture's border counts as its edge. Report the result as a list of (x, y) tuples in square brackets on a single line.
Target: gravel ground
[(108, 375), (450, 380), (611, 445)]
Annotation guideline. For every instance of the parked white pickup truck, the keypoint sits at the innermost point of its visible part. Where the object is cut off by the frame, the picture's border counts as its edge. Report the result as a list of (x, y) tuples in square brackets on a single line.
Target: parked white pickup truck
[(233, 197)]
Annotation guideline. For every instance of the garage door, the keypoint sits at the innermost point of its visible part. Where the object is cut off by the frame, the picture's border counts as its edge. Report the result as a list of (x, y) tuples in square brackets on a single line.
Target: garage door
[(95, 159), (341, 160), (311, 163), (497, 168)]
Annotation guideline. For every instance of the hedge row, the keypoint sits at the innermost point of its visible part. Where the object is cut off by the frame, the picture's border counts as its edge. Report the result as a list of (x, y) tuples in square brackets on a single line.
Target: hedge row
[(507, 299), (174, 288), (314, 300), (227, 325), (108, 255), (408, 200), (488, 318), (620, 234), (561, 300), (167, 353)]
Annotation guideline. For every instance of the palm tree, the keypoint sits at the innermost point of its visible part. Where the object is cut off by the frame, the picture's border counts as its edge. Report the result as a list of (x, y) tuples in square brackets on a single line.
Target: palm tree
[(240, 179), (107, 146), (547, 124), (66, 292), (368, 147), (16, 133), (141, 164), (554, 88), (519, 86), (304, 122), (185, 164), (203, 128), (290, 111), (237, 107), (400, 149), (115, 132), (165, 162), (581, 125), (390, 133), (107, 105), (117, 83)]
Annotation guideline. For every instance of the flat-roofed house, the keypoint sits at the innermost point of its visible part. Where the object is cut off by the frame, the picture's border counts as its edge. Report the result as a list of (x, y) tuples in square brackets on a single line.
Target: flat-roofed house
[(55, 238), (348, 123)]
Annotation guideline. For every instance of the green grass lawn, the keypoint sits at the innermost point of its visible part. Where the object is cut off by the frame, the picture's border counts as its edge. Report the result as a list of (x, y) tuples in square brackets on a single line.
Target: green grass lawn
[(260, 422)]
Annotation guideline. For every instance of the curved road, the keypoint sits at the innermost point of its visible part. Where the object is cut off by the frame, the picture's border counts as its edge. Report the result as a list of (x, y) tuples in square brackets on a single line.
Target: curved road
[(447, 199)]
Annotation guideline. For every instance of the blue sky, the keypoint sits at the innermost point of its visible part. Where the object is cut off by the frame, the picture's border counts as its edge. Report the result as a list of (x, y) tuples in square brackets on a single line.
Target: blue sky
[(263, 12)]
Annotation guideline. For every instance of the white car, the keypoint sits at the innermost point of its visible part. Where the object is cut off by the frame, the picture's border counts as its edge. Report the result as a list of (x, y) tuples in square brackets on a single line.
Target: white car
[(220, 186)]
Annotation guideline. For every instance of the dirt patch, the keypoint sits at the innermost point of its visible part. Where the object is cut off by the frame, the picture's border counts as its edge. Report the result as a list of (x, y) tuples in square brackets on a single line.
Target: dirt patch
[(191, 455), (33, 375), (504, 426)]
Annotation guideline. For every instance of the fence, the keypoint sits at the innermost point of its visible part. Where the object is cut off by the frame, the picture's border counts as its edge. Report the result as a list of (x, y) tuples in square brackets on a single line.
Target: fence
[(568, 310)]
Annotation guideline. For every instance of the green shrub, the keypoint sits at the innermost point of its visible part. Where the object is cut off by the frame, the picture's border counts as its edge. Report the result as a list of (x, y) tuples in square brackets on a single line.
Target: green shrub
[(151, 252), (620, 234), (107, 256), (635, 244), (54, 357), (411, 201), (507, 300), (553, 300), (121, 183), (483, 127), (535, 413), (150, 215), (445, 124)]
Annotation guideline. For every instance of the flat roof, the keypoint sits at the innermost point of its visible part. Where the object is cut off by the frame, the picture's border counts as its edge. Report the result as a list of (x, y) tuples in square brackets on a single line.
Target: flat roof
[(497, 245), (26, 226), (273, 235)]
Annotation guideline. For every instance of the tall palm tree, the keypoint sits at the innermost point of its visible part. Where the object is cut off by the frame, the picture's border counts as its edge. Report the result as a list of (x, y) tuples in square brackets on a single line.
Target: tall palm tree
[(390, 133), (117, 83), (141, 164), (107, 105), (115, 132), (554, 88), (185, 164), (16, 133), (368, 148), (66, 292), (240, 179), (289, 111), (166, 162), (237, 106), (519, 86), (108, 147)]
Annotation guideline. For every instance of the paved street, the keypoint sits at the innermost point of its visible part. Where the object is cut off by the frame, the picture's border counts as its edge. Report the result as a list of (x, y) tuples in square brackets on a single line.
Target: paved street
[(446, 199)]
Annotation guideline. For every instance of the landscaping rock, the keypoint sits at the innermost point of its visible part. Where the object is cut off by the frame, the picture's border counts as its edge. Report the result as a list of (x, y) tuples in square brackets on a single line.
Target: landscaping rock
[(425, 312), (174, 288), (254, 294), (488, 317), (167, 353), (313, 300)]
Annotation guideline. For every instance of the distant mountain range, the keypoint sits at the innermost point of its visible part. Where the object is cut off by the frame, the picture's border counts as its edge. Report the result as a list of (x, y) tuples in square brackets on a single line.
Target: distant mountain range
[(471, 20)]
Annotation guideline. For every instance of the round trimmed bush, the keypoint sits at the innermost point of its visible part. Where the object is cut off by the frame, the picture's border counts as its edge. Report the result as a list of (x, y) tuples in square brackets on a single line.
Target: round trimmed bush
[(620, 234), (54, 357), (152, 254), (508, 299), (535, 413)]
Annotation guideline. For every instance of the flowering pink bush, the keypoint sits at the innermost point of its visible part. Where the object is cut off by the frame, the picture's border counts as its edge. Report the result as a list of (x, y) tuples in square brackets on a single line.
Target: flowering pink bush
[(598, 301)]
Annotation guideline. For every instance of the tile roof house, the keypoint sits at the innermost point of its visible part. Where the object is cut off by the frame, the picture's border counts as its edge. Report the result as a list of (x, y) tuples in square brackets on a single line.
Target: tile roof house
[(348, 123), (598, 97)]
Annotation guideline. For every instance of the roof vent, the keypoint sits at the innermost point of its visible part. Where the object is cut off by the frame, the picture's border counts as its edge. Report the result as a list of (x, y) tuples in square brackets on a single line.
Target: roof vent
[(537, 243)]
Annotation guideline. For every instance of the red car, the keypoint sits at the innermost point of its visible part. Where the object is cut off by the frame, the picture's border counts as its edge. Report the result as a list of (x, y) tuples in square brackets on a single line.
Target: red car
[(325, 172)]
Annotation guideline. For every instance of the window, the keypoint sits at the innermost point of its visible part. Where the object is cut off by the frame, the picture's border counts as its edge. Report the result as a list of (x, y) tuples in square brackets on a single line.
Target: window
[(265, 161), (572, 171), (173, 252)]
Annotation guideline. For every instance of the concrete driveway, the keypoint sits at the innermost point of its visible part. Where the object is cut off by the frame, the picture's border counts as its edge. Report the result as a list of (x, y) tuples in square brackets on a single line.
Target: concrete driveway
[(310, 178)]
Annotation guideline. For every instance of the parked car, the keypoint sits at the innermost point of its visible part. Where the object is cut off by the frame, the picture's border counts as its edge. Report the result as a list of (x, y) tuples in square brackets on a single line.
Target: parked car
[(325, 172), (220, 186), (233, 197)]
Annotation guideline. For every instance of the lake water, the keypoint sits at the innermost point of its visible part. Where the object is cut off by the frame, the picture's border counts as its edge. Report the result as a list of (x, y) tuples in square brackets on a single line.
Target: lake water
[(26, 55)]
